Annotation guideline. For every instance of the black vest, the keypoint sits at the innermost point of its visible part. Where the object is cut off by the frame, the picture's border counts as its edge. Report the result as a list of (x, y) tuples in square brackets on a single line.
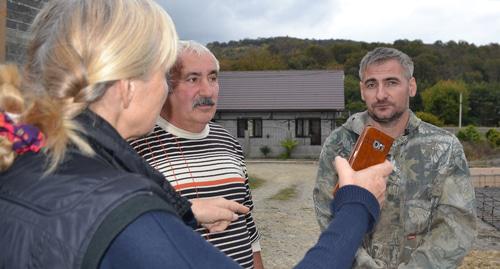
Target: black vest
[(68, 219)]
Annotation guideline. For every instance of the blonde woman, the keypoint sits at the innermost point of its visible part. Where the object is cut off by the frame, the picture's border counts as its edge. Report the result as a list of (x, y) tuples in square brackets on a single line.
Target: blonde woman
[(73, 194), (94, 77)]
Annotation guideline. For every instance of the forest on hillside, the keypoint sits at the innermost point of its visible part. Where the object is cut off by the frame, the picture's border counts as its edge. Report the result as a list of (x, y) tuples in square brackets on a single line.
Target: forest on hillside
[(443, 71)]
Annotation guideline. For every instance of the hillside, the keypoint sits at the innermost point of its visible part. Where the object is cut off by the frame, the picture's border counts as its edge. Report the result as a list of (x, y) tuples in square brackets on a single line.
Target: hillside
[(473, 70)]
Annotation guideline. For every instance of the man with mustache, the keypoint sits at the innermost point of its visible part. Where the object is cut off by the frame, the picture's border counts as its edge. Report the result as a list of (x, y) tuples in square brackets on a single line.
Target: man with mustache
[(200, 158), (429, 218)]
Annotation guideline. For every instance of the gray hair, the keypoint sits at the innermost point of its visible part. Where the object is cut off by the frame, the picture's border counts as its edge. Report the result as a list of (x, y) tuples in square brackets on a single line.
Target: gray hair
[(186, 46), (383, 54), (192, 46)]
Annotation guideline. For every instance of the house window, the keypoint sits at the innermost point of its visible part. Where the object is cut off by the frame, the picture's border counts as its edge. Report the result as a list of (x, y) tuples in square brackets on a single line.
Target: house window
[(253, 126), (309, 128), (302, 127)]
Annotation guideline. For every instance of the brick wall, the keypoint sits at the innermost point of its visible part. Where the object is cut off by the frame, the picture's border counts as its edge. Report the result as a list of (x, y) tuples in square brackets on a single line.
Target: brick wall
[(20, 15)]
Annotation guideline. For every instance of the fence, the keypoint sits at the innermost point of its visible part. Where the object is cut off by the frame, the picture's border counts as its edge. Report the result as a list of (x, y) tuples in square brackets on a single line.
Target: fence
[(487, 186), (488, 205)]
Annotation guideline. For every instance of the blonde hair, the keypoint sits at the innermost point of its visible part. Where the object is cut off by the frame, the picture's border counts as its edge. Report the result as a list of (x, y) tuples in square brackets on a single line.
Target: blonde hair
[(78, 49), (11, 102)]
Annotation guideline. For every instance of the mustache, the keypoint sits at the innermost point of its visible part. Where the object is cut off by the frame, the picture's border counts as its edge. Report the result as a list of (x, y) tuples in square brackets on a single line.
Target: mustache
[(383, 103), (203, 101)]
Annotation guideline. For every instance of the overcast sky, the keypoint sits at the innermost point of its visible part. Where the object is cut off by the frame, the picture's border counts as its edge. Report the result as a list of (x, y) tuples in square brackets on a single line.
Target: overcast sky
[(474, 21)]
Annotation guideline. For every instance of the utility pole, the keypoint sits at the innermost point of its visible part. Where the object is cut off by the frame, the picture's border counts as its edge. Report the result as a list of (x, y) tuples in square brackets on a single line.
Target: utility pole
[(460, 112)]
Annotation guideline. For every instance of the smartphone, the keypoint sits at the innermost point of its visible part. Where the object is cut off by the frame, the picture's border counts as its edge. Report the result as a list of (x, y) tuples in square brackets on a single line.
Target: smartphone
[(371, 148)]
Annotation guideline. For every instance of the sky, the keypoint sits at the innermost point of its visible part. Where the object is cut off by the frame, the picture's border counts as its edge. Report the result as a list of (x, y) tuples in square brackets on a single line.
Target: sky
[(473, 21)]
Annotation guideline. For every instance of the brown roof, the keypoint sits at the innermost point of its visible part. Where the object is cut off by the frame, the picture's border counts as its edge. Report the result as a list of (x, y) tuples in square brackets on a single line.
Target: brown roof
[(290, 90)]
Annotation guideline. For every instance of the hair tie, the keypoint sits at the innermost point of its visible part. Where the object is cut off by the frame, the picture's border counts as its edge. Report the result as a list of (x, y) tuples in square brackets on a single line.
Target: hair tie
[(24, 137)]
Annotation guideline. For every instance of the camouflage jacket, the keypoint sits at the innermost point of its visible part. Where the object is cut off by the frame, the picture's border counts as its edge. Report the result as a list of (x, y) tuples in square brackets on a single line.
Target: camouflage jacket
[(428, 219)]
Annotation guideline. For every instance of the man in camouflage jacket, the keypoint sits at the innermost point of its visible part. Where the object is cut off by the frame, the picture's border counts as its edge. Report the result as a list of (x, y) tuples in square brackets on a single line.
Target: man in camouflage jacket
[(428, 219)]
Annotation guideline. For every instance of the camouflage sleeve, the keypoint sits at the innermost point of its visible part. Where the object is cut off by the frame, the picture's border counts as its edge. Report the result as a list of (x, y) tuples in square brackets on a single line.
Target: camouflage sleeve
[(453, 222), (363, 260), (326, 179)]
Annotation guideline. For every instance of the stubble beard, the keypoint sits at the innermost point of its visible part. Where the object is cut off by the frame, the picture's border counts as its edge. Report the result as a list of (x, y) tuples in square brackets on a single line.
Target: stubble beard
[(393, 118)]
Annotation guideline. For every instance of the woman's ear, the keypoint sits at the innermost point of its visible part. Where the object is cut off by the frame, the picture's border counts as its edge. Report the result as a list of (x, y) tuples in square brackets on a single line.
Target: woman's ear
[(127, 92)]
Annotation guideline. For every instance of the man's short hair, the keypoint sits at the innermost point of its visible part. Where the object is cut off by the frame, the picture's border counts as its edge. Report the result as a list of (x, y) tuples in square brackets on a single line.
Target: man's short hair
[(382, 54), (187, 46)]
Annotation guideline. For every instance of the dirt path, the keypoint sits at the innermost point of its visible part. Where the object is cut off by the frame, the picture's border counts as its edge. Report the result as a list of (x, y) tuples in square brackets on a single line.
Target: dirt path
[(289, 228)]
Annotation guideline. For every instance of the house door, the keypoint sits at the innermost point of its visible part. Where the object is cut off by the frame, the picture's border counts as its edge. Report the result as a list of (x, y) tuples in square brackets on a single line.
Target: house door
[(315, 131)]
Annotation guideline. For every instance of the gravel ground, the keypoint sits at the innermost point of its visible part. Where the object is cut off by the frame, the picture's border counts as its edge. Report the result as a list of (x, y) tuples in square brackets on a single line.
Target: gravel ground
[(288, 227)]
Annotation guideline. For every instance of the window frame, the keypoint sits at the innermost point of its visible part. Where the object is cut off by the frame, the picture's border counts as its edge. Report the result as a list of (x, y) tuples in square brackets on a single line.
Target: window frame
[(252, 124), (303, 127)]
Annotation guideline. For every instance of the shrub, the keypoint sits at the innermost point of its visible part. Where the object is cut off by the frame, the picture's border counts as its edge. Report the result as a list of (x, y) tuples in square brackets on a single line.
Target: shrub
[(289, 144), (469, 134), (430, 118), (477, 151), (493, 136), (265, 150)]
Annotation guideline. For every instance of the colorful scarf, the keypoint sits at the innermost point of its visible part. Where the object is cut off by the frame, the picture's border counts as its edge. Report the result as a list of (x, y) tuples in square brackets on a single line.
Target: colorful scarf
[(24, 137)]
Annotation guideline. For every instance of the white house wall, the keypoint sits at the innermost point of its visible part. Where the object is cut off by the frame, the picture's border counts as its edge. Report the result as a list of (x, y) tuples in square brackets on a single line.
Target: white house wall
[(277, 126)]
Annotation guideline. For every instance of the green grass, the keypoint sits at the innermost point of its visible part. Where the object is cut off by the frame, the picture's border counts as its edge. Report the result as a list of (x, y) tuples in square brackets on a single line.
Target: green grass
[(255, 182), (285, 194)]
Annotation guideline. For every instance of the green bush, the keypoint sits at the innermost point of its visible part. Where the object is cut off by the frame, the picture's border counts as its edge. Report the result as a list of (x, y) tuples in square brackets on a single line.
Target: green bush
[(469, 134), (289, 144), (430, 118), (493, 136), (265, 150)]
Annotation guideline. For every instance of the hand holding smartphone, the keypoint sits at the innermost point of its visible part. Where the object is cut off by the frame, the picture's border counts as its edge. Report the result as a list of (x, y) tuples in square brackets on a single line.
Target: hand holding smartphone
[(371, 148)]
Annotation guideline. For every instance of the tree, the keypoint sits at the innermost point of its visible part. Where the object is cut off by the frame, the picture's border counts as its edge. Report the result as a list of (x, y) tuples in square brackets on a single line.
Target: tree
[(352, 95), (412, 48), (430, 118), (351, 65), (319, 54), (254, 59), (484, 102), (301, 62), (426, 67), (442, 100), (342, 50), (493, 67)]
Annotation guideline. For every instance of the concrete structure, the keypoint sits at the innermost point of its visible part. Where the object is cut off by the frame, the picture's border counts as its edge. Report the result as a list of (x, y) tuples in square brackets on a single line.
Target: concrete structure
[(485, 177)]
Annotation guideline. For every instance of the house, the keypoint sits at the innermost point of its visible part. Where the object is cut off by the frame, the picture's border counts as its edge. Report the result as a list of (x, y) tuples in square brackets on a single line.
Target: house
[(262, 108)]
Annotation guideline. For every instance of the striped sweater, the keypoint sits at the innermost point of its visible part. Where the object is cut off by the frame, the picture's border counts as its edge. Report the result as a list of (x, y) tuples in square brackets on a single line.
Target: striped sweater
[(201, 165)]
